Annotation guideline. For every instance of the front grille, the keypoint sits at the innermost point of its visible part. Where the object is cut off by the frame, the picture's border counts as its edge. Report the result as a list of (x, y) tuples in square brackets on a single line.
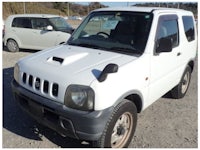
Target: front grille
[(46, 87), (24, 78), (40, 85), (37, 84), (30, 80), (55, 89)]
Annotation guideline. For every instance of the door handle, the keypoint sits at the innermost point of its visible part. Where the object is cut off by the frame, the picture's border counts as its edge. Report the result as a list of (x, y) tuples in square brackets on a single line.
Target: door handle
[(179, 53)]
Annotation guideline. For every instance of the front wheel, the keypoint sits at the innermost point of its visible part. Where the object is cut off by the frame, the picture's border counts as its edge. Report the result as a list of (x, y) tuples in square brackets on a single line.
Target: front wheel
[(180, 90), (120, 127)]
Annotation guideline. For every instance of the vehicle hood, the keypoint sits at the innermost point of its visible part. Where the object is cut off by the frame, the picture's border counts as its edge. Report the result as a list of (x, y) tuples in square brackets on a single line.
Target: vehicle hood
[(73, 62), (67, 65)]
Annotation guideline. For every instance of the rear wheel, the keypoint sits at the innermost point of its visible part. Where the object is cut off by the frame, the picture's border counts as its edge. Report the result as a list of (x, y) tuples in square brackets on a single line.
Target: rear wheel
[(12, 46), (120, 127), (180, 90)]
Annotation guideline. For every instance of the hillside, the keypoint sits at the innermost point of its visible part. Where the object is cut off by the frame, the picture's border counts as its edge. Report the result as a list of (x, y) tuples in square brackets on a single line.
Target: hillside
[(31, 7), (74, 9), (59, 8)]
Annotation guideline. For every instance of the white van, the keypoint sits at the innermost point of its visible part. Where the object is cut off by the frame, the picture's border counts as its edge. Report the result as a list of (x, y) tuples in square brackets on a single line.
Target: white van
[(35, 31), (117, 63)]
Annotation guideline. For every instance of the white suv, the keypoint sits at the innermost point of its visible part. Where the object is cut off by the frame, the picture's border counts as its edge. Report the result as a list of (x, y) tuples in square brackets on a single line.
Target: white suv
[(117, 63), (35, 31)]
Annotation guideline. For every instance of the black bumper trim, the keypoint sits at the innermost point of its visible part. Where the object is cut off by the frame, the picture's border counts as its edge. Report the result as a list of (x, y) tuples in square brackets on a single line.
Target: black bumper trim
[(66, 121)]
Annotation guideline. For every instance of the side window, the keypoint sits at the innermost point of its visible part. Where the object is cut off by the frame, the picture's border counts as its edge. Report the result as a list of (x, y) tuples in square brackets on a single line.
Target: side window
[(39, 23), (188, 24), (168, 29), (22, 23)]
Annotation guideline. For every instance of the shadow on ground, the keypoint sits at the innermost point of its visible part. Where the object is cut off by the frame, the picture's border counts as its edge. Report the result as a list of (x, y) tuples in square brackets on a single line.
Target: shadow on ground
[(21, 50)]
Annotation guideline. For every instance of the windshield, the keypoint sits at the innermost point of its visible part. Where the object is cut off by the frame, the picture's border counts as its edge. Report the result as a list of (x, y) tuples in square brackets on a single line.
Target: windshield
[(122, 32), (59, 23)]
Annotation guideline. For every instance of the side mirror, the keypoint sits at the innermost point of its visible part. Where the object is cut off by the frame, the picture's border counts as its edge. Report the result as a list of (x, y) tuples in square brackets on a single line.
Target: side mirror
[(163, 45), (49, 28), (72, 30), (110, 68)]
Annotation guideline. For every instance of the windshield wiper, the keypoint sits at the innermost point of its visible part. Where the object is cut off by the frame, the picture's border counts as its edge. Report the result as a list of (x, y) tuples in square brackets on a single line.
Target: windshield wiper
[(87, 45), (125, 50)]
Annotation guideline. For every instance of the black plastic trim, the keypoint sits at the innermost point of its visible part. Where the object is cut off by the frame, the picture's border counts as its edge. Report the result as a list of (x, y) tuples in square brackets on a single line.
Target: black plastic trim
[(60, 60), (110, 68), (82, 125)]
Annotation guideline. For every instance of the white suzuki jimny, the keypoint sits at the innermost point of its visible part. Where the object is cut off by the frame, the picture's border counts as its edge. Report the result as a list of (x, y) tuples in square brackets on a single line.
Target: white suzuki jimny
[(117, 63)]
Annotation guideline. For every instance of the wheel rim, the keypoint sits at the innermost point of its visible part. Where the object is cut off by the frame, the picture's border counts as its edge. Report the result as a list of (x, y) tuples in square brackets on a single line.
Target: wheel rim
[(12, 46), (185, 82), (122, 130)]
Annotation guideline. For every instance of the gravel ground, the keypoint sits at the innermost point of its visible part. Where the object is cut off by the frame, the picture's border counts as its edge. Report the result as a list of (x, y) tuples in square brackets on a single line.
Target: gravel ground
[(168, 123)]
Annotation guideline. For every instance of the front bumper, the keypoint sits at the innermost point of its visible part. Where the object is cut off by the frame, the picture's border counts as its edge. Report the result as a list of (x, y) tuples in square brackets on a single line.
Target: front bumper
[(66, 121)]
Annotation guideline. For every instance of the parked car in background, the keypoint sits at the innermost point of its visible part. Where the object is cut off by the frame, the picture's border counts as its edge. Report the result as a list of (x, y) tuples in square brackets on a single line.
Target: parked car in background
[(35, 31), (3, 28), (75, 18)]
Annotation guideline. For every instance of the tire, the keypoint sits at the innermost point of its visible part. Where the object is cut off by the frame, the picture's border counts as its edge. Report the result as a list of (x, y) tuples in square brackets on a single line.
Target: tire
[(12, 46), (120, 127), (180, 90)]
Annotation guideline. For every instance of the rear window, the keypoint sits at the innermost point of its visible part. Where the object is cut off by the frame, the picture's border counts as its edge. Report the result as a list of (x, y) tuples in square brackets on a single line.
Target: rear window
[(189, 27), (21, 23)]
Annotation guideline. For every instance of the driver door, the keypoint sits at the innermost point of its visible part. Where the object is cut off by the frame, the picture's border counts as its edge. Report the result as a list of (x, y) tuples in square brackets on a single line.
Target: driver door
[(164, 65)]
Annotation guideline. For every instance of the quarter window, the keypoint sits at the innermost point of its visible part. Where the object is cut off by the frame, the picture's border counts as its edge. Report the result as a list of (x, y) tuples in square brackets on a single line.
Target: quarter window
[(188, 27), (22, 23)]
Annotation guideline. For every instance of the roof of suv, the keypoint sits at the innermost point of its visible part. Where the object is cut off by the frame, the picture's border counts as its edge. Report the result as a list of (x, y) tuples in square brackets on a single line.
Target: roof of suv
[(140, 9), (36, 15)]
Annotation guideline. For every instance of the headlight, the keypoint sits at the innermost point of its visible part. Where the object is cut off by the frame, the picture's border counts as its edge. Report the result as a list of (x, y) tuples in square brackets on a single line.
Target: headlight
[(79, 97), (16, 72)]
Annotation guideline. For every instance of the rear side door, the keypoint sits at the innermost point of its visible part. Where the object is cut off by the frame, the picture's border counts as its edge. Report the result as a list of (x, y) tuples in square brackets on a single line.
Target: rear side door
[(164, 72)]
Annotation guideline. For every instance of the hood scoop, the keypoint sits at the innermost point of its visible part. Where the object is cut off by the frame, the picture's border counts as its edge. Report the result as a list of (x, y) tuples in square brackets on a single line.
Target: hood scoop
[(56, 60)]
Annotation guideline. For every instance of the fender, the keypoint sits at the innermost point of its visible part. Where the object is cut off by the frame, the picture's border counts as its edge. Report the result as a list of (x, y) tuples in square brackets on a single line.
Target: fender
[(134, 96)]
